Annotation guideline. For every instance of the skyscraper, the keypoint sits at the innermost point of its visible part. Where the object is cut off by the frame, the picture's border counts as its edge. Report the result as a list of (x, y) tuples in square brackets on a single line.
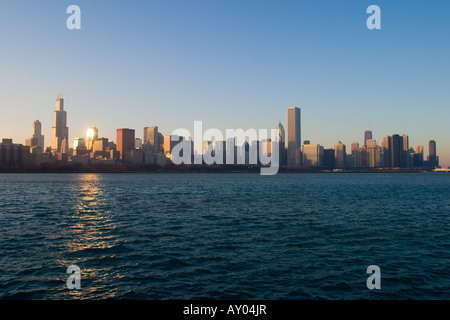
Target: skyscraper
[(433, 159), (371, 143), (37, 139), (405, 158), (170, 142), (374, 157), (151, 135), (92, 136), (60, 131), (37, 133), (419, 149), (281, 136), (432, 148), (340, 155), (79, 143), (360, 155), (328, 158), (386, 152), (312, 155), (293, 137), (396, 150), (138, 143), (125, 141), (367, 136), (418, 156)]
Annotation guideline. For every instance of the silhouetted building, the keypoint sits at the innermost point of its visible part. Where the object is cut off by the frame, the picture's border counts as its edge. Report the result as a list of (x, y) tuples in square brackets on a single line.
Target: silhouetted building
[(349, 161), (14, 155), (433, 159), (396, 150), (367, 136), (328, 158), (432, 148), (418, 157)]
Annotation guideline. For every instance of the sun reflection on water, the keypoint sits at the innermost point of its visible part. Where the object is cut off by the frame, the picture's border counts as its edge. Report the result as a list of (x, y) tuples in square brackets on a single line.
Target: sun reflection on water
[(91, 239)]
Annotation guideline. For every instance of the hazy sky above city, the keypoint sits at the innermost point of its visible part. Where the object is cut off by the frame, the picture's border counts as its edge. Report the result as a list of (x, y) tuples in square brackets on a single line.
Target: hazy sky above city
[(231, 64)]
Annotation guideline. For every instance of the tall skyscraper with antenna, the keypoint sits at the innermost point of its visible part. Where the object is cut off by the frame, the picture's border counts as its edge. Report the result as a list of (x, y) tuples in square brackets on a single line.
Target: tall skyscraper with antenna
[(60, 131), (367, 136)]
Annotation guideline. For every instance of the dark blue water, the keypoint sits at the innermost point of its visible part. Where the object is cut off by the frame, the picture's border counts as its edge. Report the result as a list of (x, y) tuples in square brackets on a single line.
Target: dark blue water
[(225, 236)]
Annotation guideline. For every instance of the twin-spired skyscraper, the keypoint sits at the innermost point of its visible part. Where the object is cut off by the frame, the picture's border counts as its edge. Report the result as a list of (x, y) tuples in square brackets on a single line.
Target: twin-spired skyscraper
[(60, 131), (293, 137)]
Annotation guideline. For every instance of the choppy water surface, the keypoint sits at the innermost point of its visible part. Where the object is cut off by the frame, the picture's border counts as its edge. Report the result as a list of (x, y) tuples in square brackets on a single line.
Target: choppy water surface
[(225, 236)]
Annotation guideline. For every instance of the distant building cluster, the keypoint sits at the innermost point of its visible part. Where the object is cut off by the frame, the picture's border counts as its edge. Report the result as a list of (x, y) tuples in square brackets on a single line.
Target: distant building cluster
[(394, 152), (156, 149)]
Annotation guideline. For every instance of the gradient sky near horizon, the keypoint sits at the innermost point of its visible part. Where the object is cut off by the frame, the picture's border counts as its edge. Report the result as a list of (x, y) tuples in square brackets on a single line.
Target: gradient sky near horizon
[(231, 64)]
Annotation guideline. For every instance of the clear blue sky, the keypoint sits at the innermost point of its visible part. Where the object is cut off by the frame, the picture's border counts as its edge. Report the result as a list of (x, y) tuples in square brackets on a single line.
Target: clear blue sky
[(231, 64)]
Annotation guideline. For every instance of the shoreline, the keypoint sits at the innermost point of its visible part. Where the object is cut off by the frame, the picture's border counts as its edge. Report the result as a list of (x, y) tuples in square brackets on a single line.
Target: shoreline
[(204, 169)]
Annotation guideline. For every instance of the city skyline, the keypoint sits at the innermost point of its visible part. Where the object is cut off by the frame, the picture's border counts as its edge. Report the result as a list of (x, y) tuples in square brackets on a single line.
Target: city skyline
[(169, 65), (425, 146), (393, 152)]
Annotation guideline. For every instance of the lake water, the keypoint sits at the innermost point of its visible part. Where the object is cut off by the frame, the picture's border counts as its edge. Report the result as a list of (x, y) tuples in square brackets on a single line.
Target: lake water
[(225, 235)]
